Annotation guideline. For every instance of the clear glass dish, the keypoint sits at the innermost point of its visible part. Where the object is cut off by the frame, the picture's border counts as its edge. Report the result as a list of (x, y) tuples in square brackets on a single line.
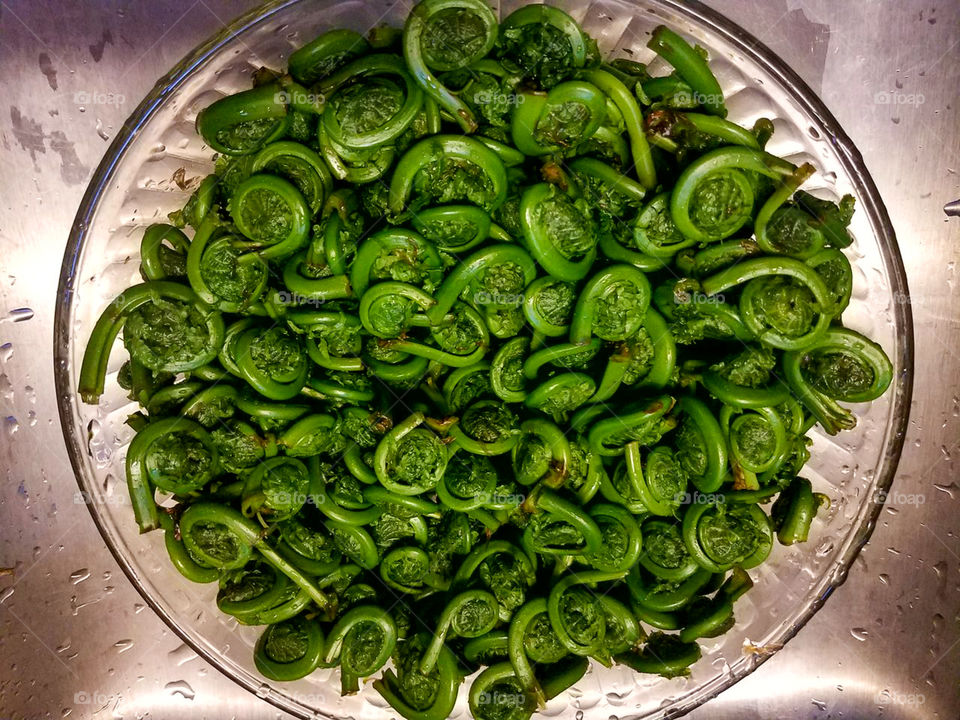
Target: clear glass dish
[(140, 181)]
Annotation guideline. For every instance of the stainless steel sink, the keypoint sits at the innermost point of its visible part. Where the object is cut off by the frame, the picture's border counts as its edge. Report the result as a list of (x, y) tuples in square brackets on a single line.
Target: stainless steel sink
[(74, 637)]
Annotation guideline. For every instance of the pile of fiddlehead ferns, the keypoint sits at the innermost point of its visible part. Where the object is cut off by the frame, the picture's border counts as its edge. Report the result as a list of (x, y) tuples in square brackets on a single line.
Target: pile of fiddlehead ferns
[(484, 353)]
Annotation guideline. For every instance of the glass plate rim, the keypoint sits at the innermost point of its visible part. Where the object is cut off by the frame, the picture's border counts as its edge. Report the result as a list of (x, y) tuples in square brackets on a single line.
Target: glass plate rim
[(701, 16)]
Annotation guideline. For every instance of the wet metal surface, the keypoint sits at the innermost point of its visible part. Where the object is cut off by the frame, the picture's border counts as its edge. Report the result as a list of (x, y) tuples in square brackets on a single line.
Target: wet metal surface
[(75, 638)]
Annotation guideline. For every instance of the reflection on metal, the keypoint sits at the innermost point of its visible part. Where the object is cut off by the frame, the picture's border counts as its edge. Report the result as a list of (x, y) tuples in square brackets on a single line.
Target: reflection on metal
[(112, 659)]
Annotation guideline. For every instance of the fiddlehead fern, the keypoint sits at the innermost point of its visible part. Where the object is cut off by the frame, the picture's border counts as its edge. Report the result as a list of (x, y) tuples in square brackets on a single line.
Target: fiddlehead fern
[(470, 614), (486, 427), (445, 35), (272, 213), (324, 54), (843, 366), (554, 122), (410, 459), (277, 488), (366, 108), (559, 233), (289, 650), (175, 455), (413, 694), (577, 614), (271, 360), (243, 123), (163, 252), (363, 639), (166, 328), (794, 510), (544, 44), (449, 168), (719, 537), (691, 66), (483, 408), (714, 196), (700, 445), (497, 693)]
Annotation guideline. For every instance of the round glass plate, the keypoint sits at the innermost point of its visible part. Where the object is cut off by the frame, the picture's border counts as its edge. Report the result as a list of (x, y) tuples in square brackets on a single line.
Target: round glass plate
[(154, 164)]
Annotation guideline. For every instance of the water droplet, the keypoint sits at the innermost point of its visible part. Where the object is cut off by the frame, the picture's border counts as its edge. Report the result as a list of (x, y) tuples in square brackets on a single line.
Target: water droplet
[(821, 705), (21, 314), (104, 135), (97, 446), (5, 595), (952, 208), (78, 576), (182, 655), (180, 687), (123, 645), (76, 606), (859, 633), (947, 489), (6, 352), (884, 578), (895, 121), (814, 133), (824, 548), (6, 388), (263, 691), (12, 424)]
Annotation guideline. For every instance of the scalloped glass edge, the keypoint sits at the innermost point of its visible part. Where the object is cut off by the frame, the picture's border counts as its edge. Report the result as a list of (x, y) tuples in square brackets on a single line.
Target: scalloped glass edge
[(869, 203)]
